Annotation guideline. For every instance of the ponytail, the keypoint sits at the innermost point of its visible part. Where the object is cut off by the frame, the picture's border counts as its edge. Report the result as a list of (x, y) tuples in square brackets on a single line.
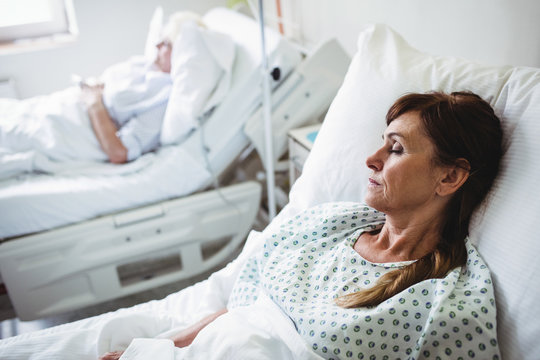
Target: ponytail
[(434, 265), (461, 125)]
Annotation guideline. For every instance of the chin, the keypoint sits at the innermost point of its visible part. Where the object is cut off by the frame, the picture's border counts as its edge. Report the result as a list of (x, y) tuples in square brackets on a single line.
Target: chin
[(370, 201), (375, 203)]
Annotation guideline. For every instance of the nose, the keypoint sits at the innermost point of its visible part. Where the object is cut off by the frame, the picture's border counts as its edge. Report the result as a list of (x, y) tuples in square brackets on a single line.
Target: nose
[(375, 161), (163, 44)]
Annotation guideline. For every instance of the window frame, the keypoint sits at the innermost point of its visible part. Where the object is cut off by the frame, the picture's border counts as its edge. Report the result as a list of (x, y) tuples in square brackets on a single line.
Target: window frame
[(62, 23)]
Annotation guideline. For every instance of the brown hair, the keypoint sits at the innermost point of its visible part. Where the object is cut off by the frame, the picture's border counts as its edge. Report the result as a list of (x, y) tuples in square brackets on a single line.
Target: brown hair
[(460, 125)]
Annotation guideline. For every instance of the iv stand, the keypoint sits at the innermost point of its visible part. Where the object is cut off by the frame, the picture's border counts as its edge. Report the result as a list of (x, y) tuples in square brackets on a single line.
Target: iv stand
[(267, 111)]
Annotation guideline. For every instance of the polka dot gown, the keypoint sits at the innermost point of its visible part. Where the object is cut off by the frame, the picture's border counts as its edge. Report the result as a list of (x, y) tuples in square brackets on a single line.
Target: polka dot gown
[(311, 261)]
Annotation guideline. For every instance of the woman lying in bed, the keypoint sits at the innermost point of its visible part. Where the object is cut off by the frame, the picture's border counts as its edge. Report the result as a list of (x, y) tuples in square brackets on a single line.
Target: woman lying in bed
[(395, 277)]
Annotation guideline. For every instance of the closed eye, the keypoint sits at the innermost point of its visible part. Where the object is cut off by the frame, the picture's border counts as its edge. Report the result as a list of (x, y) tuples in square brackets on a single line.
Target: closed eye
[(396, 148)]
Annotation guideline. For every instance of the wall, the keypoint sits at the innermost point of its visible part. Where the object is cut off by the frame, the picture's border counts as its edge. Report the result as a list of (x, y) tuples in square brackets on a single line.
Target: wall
[(109, 31), (112, 30), (496, 32)]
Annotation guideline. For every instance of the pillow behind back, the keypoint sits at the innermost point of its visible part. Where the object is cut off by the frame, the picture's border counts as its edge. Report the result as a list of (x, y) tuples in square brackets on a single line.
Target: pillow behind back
[(386, 67)]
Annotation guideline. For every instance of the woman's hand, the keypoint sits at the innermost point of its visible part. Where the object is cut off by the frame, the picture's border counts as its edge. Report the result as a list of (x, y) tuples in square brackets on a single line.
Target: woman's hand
[(185, 337), (182, 339), (113, 355)]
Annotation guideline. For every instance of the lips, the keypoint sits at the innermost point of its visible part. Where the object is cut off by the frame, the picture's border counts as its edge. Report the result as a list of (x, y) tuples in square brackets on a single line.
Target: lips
[(373, 182)]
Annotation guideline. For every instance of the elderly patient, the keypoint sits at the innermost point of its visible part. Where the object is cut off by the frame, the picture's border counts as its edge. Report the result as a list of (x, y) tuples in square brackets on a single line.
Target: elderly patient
[(129, 123), (125, 110), (396, 276)]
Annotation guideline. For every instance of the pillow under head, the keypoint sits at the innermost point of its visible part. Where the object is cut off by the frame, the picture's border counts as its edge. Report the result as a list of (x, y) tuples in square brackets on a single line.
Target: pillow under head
[(386, 67), (201, 64)]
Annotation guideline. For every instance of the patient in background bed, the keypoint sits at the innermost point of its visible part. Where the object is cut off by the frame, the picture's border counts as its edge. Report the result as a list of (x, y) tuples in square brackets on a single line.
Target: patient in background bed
[(397, 276), (119, 120), (127, 119)]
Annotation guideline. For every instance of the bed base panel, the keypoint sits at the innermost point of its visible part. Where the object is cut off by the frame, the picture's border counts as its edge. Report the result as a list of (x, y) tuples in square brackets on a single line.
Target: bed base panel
[(109, 257)]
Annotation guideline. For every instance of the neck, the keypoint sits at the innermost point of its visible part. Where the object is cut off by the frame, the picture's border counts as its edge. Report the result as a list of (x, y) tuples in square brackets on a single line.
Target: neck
[(404, 236), (409, 241)]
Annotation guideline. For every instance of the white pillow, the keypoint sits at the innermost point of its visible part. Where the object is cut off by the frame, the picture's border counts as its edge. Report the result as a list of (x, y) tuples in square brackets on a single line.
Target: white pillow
[(386, 67), (201, 64), (153, 35)]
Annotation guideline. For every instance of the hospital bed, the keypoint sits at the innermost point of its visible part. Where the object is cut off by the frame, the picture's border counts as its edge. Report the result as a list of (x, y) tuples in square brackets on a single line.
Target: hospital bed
[(85, 236), (504, 229)]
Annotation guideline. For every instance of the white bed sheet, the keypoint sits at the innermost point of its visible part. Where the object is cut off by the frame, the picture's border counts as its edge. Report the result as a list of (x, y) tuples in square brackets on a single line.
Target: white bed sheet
[(266, 333), (33, 203)]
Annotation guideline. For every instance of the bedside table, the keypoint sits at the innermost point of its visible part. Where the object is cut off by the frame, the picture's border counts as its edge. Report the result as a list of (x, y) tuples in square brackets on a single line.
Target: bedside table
[(300, 143)]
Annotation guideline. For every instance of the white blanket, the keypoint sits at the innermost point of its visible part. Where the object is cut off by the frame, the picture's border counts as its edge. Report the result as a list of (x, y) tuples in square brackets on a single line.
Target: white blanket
[(37, 133), (34, 161), (269, 334), (260, 331), (31, 203)]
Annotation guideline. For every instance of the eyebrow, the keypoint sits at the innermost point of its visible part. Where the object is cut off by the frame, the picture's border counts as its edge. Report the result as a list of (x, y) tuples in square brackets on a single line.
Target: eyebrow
[(394, 134)]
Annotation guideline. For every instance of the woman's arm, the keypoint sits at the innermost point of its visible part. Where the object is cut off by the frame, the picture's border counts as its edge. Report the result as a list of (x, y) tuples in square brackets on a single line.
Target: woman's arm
[(182, 339), (102, 124), (186, 336)]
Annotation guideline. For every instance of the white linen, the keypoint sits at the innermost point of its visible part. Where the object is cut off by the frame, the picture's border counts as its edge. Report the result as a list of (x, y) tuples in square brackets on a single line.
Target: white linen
[(201, 66), (31, 203), (504, 230), (55, 125), (261, 331), (154, 33), (150, 349), (28, 161), (90, 338)]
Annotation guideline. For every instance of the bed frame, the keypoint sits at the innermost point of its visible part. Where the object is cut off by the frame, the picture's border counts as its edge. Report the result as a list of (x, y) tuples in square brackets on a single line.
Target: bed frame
[(128, 252)]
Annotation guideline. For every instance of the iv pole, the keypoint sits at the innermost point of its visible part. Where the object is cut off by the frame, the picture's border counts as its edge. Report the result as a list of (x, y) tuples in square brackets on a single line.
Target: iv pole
[(267, 111)]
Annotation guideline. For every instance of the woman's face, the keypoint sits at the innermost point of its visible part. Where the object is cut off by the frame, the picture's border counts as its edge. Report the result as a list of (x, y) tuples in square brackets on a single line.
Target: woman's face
[(163, 57), (404, 177)]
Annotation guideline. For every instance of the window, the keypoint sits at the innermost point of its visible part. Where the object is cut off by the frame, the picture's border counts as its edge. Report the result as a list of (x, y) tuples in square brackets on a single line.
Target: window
[(23, 19)]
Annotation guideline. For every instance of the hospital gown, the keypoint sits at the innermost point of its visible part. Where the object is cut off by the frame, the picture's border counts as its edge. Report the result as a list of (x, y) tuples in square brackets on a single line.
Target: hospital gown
[(136, 95), (310, 261)]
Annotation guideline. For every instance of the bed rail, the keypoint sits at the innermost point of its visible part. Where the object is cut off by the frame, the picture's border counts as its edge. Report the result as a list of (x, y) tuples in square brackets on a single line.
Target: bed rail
[(92, 262)]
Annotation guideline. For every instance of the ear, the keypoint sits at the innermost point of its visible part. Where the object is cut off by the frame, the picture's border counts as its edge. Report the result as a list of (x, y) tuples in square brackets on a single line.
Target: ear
[(454, 177)]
